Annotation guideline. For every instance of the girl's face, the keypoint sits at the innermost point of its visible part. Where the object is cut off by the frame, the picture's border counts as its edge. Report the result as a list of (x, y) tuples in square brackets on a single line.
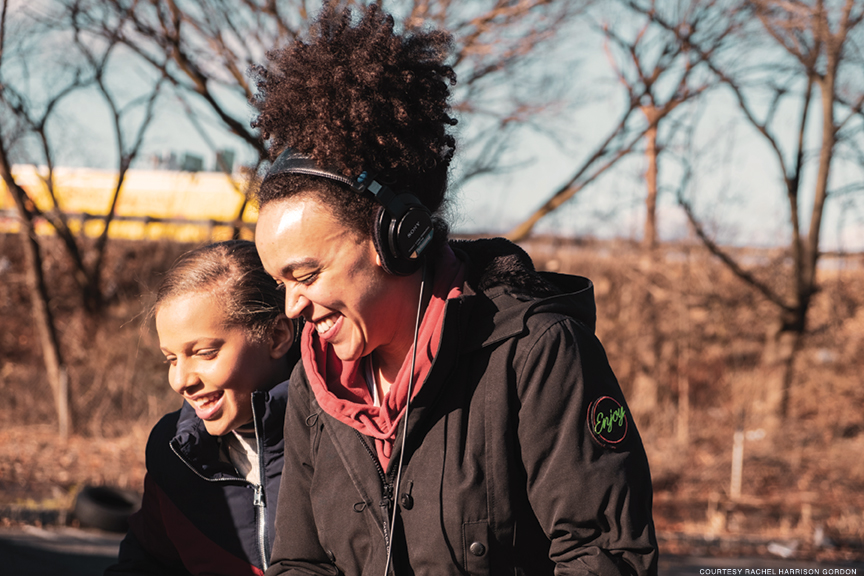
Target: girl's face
[(213, 366)]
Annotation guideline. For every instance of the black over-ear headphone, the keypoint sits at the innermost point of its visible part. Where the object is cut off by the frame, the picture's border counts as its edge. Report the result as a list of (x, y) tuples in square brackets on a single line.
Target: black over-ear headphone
[(403, 225)]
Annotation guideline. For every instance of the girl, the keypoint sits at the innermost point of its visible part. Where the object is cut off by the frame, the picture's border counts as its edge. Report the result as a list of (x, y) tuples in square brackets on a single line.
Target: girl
[(213, 467)]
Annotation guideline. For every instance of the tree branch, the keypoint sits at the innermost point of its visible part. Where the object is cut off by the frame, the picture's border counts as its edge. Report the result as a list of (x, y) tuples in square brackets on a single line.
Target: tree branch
[(715, 249)]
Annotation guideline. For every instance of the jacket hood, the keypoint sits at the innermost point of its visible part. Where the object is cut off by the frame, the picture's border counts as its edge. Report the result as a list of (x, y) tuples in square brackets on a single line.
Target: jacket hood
[(502, 285), (201, 450)]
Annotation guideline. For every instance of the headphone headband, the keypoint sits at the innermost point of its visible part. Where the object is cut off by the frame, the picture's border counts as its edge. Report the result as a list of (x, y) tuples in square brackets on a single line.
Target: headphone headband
[(291, 162), (404, 225)]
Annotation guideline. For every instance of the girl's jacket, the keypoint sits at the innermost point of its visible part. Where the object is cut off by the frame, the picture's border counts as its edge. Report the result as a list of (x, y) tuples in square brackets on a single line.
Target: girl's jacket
[(521, 454), (198, 516)]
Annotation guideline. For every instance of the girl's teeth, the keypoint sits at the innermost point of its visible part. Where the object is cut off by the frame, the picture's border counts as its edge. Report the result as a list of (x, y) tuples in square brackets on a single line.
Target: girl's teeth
[(209, 399)]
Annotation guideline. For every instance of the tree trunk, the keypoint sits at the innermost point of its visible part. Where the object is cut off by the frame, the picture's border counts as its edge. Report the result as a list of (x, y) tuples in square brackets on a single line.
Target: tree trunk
[(44, 319), (683, 423), (649, 240), (57, 375), (784, 340), (646, 381), (778, 363)]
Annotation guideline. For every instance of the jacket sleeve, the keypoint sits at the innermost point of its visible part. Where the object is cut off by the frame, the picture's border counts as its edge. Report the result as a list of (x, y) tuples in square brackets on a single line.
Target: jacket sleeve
[(147, 549), (591, 497), (296, 549)]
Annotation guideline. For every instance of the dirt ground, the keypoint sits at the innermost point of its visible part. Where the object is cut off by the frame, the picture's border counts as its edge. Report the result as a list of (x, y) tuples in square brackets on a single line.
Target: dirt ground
[(802, 482)]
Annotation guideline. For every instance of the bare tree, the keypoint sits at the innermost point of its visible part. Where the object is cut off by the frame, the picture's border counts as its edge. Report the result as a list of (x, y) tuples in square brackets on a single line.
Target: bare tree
[(11, 134), (502, 62), (820, 71), (97, 52), (658, 74), (205, 47), (36, 114), (30, 113), (653, 60)]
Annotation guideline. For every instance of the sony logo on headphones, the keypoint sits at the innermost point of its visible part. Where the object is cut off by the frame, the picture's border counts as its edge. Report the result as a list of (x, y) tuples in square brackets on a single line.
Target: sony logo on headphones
[(414, 229)]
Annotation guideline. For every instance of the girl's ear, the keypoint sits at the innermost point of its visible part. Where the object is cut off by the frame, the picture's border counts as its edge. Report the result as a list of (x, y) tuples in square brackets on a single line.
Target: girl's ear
[(282, 337)]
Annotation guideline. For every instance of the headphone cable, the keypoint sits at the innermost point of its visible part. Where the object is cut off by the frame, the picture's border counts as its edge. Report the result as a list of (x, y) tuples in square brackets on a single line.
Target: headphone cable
[(405, 422)]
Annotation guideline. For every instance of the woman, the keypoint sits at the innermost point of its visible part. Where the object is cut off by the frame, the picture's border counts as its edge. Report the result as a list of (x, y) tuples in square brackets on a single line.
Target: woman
[(517, 453), (213, 467)]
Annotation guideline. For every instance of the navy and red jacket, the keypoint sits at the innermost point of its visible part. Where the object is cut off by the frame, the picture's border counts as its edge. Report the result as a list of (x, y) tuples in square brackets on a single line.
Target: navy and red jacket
[(198, 515)]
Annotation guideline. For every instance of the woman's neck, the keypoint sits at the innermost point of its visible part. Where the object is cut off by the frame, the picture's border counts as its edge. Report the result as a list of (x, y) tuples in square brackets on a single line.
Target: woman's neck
[(389, 359)]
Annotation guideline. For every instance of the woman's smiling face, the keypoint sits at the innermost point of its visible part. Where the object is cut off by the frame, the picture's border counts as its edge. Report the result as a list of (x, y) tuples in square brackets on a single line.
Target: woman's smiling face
[(332, 277), (214, 367)]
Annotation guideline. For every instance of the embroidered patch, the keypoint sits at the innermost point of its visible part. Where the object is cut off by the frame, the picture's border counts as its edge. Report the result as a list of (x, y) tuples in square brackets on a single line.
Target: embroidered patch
[(607, 421)]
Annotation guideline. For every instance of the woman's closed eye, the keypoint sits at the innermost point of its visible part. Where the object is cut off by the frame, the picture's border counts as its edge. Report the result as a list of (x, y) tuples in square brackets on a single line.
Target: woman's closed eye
[(307, 279)]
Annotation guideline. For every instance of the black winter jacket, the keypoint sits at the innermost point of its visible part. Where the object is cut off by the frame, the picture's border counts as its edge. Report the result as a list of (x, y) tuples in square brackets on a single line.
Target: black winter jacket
[(521, 455), (198, 516)]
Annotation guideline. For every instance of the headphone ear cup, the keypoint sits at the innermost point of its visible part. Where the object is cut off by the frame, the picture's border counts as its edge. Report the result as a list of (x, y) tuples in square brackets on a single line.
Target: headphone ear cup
[(411, 230), (385, 239)]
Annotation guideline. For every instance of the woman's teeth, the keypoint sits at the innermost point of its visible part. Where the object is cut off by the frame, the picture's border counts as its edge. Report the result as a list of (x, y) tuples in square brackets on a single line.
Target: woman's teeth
[(324, 325)]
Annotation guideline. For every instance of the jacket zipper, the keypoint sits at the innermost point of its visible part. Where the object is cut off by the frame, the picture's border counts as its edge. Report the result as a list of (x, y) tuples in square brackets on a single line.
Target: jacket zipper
[(258, 499), (386, 488)]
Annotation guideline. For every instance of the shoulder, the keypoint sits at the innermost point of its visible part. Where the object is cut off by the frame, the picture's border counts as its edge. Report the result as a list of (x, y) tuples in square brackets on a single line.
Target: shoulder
[(566, 340), (271, 406), (275, 400), (158, 451), (557, 329), (279, 392), (165, 429), (550, 338)]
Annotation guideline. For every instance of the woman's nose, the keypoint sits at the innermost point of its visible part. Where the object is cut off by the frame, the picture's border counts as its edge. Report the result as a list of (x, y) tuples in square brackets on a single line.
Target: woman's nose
[(295, 303)]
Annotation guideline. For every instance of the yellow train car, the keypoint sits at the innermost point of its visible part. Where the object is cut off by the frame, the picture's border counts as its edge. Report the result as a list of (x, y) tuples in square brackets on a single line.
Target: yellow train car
[(153, 204)]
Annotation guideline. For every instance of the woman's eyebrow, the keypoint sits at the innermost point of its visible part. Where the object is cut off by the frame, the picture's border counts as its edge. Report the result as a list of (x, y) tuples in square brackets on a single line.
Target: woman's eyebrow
[(289, 267)]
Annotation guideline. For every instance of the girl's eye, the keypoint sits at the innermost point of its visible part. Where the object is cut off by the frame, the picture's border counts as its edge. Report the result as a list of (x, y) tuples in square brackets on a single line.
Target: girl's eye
[(169, 360), (207, 353)]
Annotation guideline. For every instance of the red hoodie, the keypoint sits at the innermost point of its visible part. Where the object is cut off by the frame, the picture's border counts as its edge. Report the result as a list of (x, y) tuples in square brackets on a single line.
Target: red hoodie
[(342, 390)]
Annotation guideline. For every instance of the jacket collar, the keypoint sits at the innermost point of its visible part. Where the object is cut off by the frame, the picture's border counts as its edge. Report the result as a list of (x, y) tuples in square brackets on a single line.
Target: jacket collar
[(200, 450)]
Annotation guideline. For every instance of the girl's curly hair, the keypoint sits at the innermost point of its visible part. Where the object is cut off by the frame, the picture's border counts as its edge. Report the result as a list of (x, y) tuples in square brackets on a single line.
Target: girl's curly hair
[(359, 96)]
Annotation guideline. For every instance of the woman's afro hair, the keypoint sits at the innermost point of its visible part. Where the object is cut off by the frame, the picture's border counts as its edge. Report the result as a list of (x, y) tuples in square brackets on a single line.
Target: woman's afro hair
[(357, 96)]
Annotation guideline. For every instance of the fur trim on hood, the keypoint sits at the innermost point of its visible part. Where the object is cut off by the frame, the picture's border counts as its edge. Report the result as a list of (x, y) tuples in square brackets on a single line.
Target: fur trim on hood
[(497, 262)]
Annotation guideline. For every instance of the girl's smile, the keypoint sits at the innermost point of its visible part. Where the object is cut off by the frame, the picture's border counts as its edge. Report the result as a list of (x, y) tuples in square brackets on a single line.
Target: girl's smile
[(214, 366)]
